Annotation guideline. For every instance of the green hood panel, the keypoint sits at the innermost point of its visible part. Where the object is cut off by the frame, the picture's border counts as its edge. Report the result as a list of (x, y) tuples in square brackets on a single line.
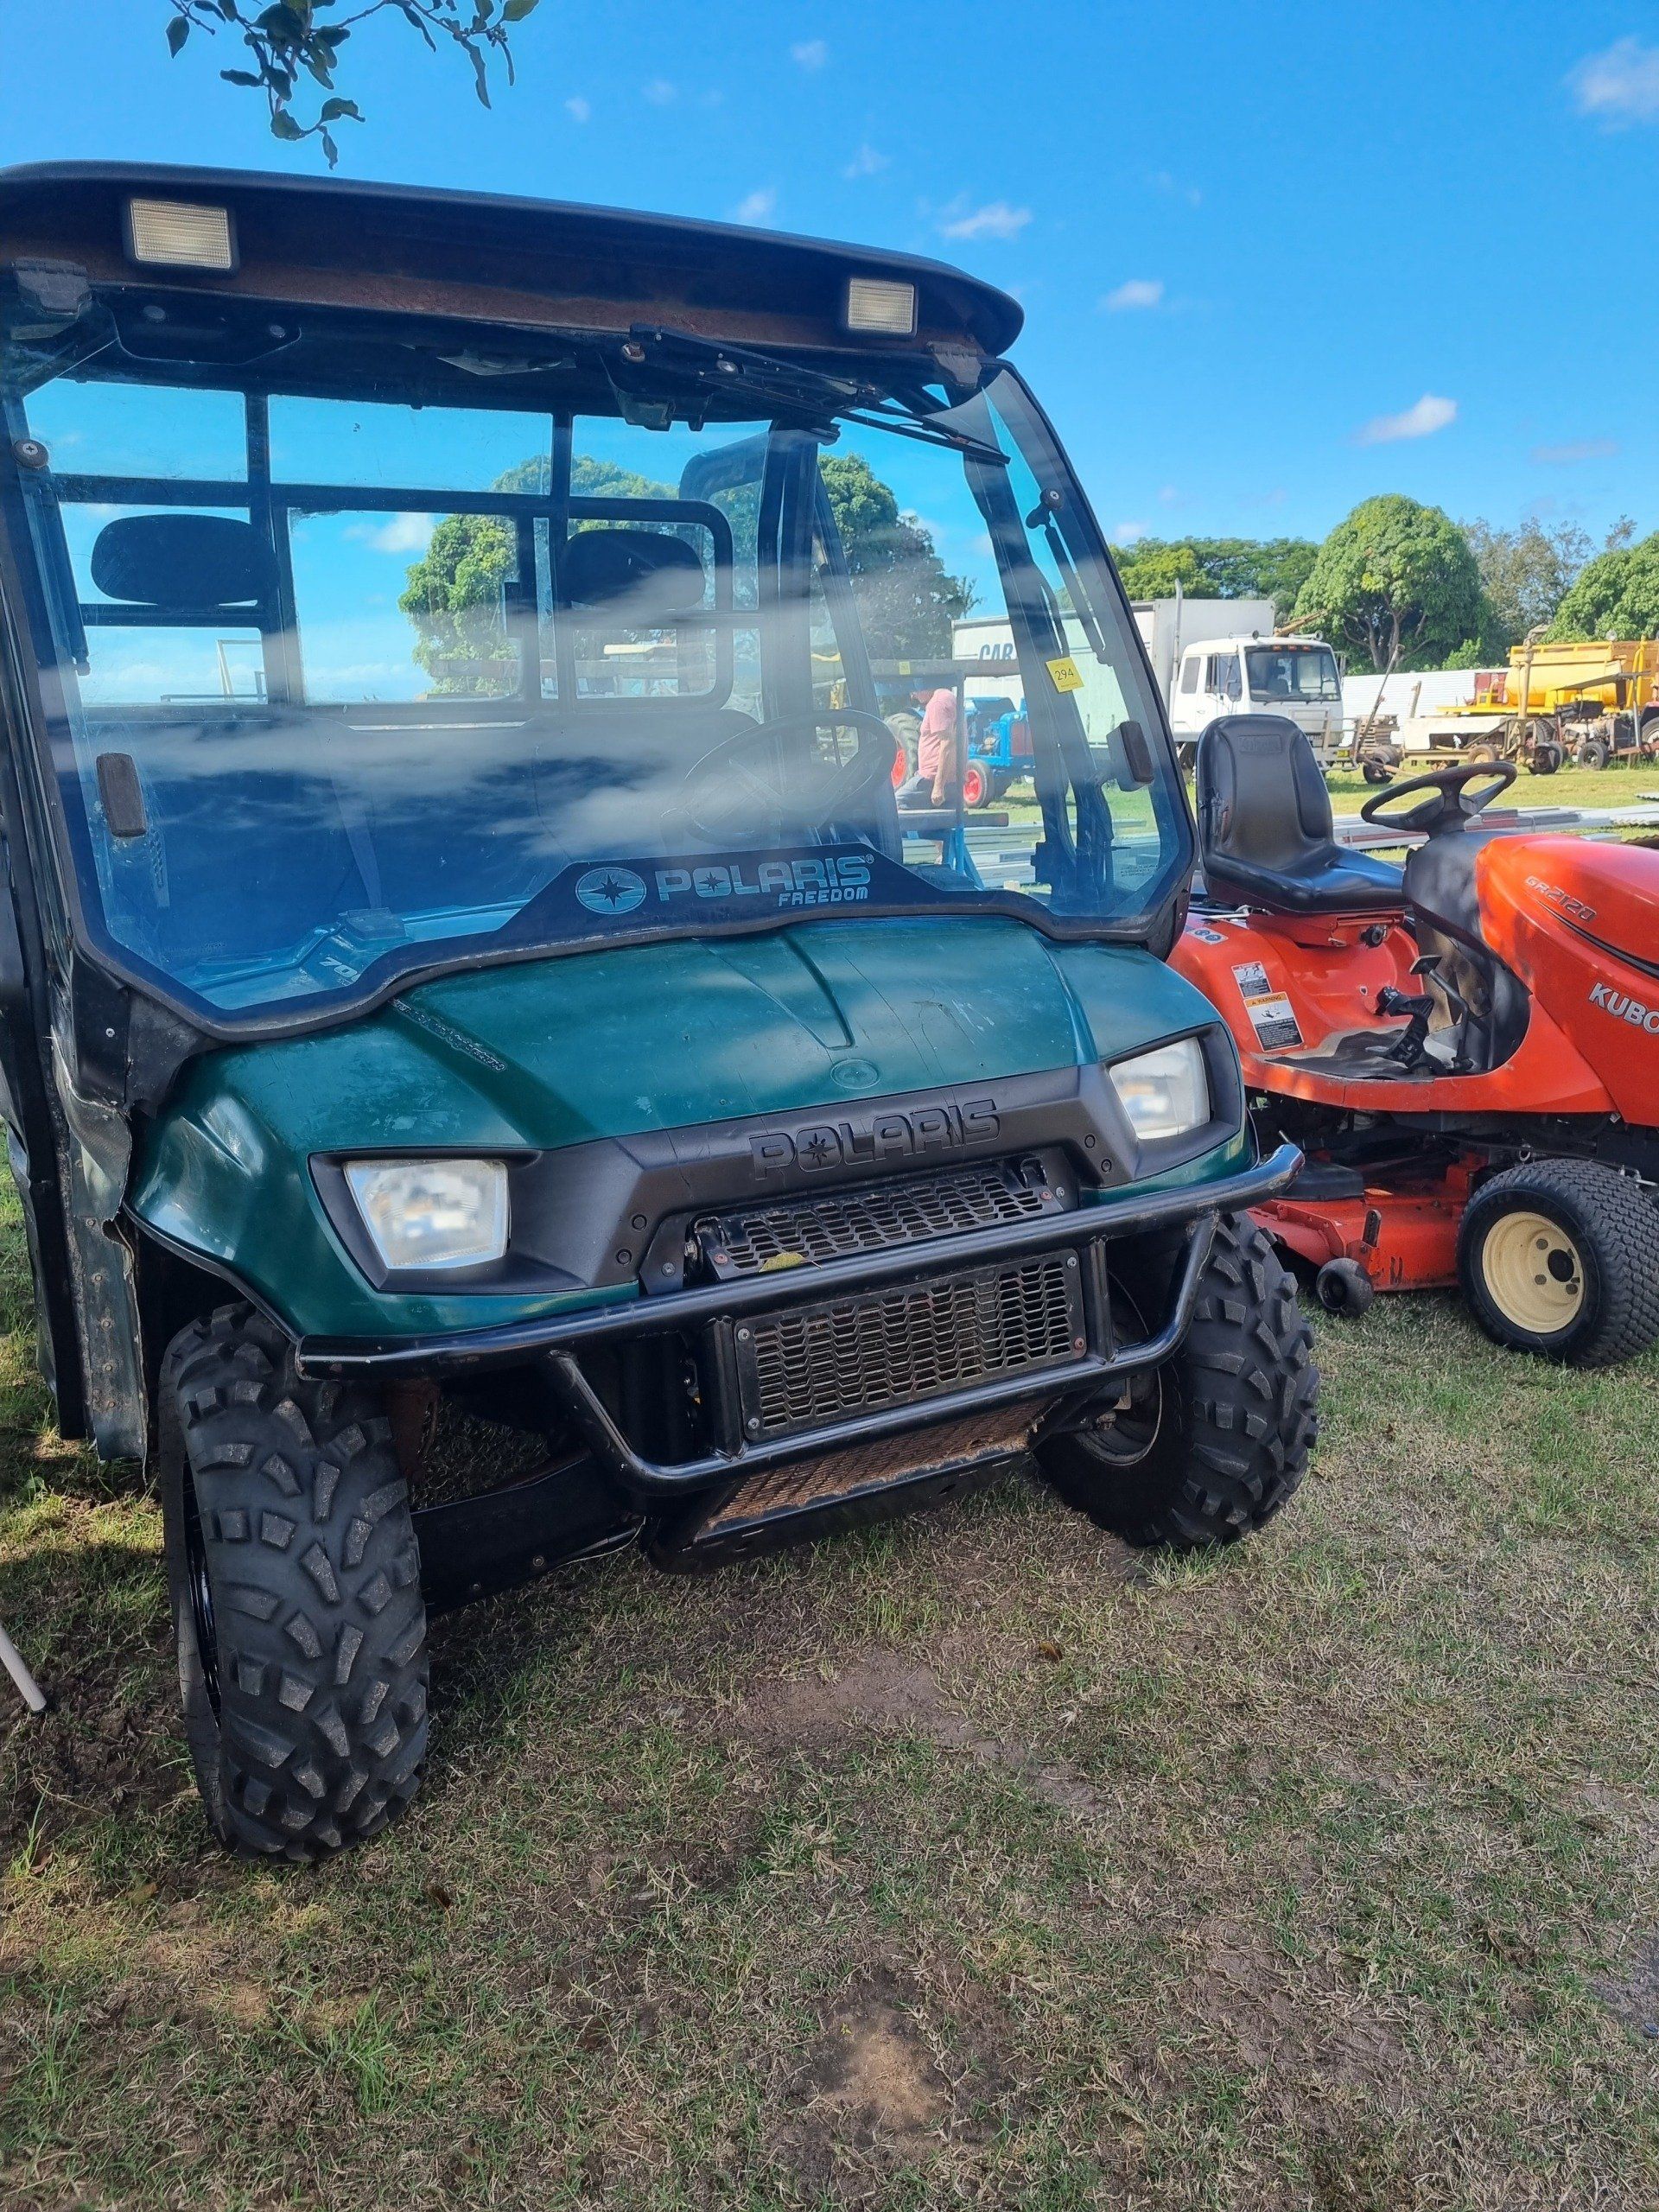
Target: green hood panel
[(553, 1052)]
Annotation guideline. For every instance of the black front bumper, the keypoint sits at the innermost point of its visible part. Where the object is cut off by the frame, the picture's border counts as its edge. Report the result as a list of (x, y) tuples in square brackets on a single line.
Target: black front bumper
[(714, 1309)]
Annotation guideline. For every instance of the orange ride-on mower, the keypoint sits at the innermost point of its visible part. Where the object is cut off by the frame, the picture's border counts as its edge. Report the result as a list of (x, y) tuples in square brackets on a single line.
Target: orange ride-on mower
[(1466, 1049)]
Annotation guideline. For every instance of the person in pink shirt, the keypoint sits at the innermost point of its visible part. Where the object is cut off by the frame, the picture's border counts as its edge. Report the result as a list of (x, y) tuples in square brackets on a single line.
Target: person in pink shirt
[(936, 748)]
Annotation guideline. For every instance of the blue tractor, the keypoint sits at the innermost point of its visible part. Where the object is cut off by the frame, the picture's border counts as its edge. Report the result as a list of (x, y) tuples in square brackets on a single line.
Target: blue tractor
[(999, 749)]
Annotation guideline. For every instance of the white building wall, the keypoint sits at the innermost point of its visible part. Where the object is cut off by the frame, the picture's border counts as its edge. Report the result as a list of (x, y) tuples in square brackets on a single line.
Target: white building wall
[(1407, 695)]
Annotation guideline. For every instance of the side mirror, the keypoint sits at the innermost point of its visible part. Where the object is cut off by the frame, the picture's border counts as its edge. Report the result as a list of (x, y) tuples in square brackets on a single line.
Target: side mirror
[(1136, 752)]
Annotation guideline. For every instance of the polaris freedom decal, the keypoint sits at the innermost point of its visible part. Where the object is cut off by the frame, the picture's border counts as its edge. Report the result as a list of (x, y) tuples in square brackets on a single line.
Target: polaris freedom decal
[(1623, 1008), (707, 886)]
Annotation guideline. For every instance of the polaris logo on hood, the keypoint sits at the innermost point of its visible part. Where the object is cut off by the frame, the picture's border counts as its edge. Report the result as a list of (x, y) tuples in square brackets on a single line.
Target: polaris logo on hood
[(815, 1147), (1623, 1008)]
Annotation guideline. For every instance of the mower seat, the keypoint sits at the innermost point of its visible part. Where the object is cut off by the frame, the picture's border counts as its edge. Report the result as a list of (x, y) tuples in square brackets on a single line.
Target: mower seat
[(1266, 832)]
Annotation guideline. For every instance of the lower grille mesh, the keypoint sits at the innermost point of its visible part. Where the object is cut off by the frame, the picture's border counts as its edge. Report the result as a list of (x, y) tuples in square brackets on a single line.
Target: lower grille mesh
[(899, 1347)]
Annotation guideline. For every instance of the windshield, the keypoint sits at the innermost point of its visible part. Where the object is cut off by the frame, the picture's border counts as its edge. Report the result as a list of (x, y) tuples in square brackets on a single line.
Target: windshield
[(340, 684), (1294, 672)]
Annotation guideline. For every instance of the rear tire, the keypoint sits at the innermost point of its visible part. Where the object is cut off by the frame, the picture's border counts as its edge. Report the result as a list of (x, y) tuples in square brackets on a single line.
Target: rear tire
[(1560, 1257), (295, 1577), (975, 784), (1214, 1441)]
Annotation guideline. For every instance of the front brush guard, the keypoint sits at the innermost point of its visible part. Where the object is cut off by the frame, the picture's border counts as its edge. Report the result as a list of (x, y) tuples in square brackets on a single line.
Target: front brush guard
[(559, 1338)]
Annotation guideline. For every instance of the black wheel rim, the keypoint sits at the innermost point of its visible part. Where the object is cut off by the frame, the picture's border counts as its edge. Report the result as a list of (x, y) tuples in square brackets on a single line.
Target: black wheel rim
[(200, 1591), (1122, 1438)]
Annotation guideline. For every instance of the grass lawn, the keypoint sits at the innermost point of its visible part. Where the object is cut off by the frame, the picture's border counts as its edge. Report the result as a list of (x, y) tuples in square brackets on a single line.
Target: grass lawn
[(1591, 788), (1626, 786), (975, 1861)]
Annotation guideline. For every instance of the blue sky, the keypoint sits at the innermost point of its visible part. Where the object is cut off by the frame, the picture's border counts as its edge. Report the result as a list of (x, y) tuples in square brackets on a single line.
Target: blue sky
[(1274, 258)]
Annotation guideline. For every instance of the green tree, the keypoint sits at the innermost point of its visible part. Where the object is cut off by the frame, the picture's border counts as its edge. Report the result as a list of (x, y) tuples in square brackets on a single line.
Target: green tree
[(907, 601), (1616, 596), (1526, 571), (455, 599), (1153, 566), (1219, 568), (299, 39), (453, 594), (1395, 583)]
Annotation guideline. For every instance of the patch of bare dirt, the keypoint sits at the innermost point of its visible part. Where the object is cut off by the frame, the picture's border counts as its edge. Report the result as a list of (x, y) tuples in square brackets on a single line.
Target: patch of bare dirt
[(902, 2072), (878, 1688), (1631, 1990), (98, 1750), (873, 2074), (885, 1690), (1275, 2017)]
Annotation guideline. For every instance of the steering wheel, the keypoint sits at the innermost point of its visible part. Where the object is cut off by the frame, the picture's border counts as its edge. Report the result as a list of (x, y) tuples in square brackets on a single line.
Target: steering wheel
[(1453, 803), (728, 797)]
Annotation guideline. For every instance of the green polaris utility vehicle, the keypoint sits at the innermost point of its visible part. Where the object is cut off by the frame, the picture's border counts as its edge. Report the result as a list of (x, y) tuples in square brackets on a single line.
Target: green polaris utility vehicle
[(502, 1056)]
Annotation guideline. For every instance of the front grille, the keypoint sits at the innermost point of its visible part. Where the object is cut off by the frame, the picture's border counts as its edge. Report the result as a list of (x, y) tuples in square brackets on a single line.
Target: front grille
[(820, 1364), (874, 1217)]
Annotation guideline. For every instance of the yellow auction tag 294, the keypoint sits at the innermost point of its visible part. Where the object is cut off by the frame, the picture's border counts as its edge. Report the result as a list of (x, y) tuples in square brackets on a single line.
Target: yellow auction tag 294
[(1066, 675)]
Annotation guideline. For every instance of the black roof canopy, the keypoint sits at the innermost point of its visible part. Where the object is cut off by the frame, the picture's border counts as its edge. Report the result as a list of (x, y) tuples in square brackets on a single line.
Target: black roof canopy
[(497, 260)]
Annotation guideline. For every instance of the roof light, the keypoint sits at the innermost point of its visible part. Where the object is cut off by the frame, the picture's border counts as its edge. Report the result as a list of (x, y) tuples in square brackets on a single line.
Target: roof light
[(180, 234), (877, 303)]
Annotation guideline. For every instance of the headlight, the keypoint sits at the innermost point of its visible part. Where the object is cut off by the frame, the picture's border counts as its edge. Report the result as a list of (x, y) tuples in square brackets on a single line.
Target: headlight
[(432, 1213), (1164, 1093)]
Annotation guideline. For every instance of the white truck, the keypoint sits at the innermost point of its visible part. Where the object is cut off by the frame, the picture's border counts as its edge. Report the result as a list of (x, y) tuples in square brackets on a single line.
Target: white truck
[(1221, 657), (1210, 656)]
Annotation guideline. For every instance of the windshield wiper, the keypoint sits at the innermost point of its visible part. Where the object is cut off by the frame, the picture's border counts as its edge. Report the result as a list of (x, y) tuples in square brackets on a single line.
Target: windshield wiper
[(824, 399)]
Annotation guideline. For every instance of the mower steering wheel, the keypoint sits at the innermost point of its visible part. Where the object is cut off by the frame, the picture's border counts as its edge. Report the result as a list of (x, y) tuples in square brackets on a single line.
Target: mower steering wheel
[(1451, 802), (770, 795)]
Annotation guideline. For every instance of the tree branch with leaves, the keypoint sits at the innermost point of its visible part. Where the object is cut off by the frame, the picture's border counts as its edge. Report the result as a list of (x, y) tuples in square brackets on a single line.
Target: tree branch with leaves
[(299, 40)]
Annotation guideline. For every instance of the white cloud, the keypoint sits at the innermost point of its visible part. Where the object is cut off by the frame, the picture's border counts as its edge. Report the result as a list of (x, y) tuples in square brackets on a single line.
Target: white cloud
[(996, 220), (1136, 292), (1163, 182), (398, 534), (578, 109), (1168, 493), (1620, 86), (660, 92), (1125, 533), (1576, 449), (1427, 415), (810, 52), (866, 162), (757, 207)]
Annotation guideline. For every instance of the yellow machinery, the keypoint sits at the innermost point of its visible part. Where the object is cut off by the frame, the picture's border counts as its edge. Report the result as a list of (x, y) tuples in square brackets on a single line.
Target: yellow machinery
[(1596, 702)]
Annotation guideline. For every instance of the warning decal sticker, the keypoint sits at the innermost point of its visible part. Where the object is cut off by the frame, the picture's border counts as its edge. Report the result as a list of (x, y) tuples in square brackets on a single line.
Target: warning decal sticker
[(1272, 1016)]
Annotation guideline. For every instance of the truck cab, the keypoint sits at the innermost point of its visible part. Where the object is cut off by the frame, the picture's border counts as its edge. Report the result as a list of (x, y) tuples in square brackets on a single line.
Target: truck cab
[(1296, 677)]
